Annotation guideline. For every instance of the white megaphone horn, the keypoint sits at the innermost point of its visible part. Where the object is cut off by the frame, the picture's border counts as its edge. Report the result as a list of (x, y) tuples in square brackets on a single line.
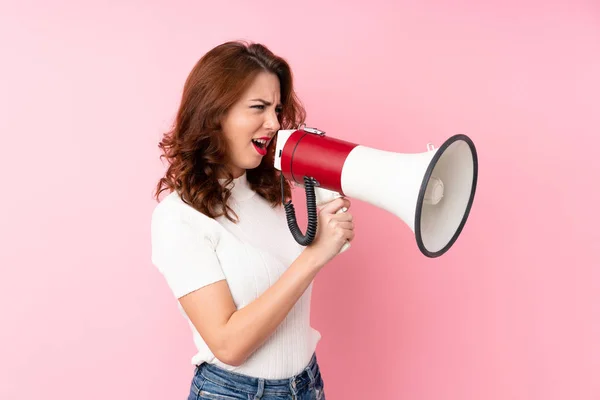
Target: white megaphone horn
[(432, 192)]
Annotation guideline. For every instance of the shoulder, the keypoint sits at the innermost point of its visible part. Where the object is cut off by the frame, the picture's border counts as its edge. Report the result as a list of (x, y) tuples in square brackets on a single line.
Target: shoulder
[(172, 217), (183, 246)]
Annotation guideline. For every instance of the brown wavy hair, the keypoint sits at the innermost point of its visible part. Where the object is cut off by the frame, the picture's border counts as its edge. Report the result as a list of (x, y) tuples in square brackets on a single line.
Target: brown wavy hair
[(195, 148)]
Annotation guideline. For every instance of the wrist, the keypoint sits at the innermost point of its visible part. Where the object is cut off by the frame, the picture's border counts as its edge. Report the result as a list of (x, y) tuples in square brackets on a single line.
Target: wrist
[(311, 260)]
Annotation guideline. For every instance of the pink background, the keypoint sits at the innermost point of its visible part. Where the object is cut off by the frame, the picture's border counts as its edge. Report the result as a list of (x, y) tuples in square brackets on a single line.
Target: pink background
[(511, 312)]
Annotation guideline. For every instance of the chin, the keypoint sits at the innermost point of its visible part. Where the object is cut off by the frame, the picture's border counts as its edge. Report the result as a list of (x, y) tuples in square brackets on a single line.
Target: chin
[(253, 165), (256, 161)]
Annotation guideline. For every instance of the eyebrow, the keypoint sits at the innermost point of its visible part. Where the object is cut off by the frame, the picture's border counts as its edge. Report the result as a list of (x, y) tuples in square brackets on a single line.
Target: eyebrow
[(266, 103)]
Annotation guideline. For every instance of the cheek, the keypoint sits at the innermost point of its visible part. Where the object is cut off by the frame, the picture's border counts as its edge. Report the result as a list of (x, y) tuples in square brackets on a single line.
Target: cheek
[(238, 133), (239, 128), (245, 131)]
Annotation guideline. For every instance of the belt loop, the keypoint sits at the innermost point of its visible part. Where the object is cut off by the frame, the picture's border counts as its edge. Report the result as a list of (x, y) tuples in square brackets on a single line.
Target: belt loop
[(261, 389), (293, 385)]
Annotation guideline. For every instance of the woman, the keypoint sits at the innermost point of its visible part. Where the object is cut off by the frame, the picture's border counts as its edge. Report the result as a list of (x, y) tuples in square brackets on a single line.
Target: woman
[(220, 237)]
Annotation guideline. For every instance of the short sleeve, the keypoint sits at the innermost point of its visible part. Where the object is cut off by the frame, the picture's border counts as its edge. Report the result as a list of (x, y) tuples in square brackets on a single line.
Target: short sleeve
[(184, 254)]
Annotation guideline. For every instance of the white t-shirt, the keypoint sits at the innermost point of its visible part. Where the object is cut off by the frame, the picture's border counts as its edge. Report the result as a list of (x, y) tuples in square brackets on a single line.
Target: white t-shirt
[(192, 250)]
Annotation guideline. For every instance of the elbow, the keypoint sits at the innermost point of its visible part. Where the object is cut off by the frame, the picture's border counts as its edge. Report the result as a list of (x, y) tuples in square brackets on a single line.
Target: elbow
[(230, 354), (230, 357), (233, 360)]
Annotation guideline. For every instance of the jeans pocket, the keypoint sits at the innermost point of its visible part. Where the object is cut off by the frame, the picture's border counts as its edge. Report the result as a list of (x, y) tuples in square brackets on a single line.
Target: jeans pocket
[(205, 394), (195, 386), (212, 391)]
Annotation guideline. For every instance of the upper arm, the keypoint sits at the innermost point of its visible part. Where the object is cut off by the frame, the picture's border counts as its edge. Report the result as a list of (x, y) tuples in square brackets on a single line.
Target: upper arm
[(209, 309), (186, 257)]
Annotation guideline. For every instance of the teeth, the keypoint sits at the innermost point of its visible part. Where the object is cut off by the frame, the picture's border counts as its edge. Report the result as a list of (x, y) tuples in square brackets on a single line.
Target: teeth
[(260, 142)]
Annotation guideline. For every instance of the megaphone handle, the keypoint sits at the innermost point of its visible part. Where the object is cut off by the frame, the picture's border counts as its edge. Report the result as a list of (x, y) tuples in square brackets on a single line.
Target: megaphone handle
[(324, 196)]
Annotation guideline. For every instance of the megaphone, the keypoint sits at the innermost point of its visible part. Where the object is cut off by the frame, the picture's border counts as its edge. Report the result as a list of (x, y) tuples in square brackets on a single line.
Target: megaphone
[(432, 192)]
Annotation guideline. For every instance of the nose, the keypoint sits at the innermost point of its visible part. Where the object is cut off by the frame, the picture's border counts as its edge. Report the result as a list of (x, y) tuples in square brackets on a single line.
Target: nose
[(272, 122)]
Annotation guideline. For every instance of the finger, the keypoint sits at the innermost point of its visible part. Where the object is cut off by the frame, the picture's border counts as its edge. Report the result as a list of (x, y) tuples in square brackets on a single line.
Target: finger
[(333, 206), (346, 204), (346, 225), (339, 220), (343, 217), (350, 235)]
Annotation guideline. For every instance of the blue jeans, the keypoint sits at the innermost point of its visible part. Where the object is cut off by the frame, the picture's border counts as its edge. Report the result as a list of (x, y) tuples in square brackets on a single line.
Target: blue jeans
[(214, 383)]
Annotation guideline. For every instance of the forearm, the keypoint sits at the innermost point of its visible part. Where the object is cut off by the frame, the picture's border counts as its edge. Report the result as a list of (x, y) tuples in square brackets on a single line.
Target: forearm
[(250, 326)]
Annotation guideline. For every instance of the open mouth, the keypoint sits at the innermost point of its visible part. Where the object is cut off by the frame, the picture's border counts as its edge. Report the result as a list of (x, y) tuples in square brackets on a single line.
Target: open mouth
[(260, 145)]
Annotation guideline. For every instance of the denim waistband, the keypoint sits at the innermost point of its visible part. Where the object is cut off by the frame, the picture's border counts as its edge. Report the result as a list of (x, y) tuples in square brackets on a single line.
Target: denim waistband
[(260, 386)]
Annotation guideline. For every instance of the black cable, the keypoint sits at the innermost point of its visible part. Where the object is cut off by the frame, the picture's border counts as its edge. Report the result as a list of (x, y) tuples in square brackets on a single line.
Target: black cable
[(311, 204)]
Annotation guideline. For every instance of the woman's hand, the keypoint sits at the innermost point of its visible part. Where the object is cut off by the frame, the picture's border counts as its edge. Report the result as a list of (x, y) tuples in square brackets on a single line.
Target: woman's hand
[(333, 230)]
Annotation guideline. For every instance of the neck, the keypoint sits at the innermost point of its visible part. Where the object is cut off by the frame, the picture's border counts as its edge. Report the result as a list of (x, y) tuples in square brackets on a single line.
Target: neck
[(235, 172), (240, 188), (238, 173)]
